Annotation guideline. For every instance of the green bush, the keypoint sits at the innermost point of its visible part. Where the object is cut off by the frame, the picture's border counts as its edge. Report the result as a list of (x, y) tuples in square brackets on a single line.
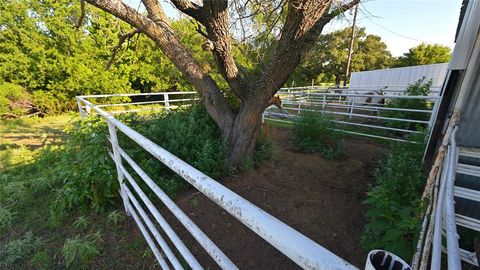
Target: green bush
[(394, 206), (49, 103), (188, 133), (83, 176), (419, 88), (12, 98), (79, 251), (316, 132)]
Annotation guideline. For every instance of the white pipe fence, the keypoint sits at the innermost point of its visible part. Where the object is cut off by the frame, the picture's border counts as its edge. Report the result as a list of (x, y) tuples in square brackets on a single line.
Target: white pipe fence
[(300, 249), (445, 212), (356, 110), (165, 102)]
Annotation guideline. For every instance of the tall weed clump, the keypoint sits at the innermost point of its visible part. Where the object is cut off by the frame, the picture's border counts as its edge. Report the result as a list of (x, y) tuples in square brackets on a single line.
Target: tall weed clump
[(190, 134), (418, 88), (89, 175), (394, 201), (317, 132), (79, 251), (18, 250)]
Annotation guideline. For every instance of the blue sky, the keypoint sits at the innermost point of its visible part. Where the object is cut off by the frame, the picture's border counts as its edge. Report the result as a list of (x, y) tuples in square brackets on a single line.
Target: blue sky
[(402, 24)]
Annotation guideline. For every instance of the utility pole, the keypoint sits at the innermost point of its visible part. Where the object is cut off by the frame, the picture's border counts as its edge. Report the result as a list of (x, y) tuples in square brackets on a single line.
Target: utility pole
[(352, 39)]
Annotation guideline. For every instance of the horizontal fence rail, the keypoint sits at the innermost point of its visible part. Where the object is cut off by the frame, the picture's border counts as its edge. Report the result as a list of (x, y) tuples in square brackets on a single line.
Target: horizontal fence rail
[(355, 110), (300, 249), (164, 100), (434, 90)]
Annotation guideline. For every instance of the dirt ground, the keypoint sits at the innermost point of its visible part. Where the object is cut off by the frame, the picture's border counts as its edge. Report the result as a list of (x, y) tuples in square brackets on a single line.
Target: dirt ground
[(321, 199)]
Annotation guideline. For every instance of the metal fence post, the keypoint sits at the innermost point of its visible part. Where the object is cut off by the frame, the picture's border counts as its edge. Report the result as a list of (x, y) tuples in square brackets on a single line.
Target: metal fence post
[(80, 109), (166, 101), (118, 160), (324, 102), (351, 108), (433, 115)]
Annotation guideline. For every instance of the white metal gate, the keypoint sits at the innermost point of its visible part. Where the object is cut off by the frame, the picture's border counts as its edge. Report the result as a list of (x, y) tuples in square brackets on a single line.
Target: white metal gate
[(300, 249)]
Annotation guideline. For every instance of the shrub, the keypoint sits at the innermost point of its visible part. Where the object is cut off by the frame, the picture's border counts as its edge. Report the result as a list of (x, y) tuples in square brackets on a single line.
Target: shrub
[(88, 173), (190, 134), (83, 176), (419, 88), (394, 206), (79, 251), (49, 103), (12, 97), (316, 132)]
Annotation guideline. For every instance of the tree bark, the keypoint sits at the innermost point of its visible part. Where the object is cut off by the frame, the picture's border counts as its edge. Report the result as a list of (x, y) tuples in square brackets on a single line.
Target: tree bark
[(242, 136)]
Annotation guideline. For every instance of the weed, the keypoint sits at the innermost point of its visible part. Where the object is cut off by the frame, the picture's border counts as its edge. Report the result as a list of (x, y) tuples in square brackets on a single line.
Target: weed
[(263, 149), (194, 202), (419, 88), (114, 217), (81, 223), (316, 132), (6, 218), (18, 250), (41, 260), (79, 251), (394, 206)]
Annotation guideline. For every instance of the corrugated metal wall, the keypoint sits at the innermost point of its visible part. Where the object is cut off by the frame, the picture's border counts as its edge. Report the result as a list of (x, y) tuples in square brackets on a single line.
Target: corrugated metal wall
[(398, 78)]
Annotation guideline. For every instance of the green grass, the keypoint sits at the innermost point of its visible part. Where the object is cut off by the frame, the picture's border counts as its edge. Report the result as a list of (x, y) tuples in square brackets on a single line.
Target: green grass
[(33, 234), (33, 132)]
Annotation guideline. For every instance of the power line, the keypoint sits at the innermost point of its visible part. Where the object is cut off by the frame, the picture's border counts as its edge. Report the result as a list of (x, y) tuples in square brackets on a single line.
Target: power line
[(391, 31)]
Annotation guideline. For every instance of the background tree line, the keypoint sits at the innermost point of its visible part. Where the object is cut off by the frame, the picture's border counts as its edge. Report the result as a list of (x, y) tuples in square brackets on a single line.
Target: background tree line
[(47, 57)]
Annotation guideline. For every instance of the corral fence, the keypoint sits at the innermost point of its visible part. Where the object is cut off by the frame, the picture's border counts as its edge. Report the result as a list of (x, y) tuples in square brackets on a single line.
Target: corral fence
[(144, 210), (356, 111)]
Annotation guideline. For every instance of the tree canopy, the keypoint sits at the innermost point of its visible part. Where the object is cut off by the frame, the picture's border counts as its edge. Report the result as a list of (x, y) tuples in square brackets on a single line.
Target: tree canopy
[(45, 51), (326, 61), (424, 54)]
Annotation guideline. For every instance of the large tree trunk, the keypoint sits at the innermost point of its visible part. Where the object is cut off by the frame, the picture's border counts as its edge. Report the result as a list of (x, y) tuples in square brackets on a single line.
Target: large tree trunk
[(242, 135)]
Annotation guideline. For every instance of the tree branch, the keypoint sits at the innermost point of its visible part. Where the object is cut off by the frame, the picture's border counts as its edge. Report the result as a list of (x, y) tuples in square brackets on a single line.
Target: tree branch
[(82, 14), (340, 10), (317, 29), (121, 40), (304, 23), (155, 11), (301, 18), (191, 9), (163, 35), (217, 26)]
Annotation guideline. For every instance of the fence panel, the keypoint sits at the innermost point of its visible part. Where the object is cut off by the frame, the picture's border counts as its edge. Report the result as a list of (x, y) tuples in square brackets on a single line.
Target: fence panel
[(300, 249)]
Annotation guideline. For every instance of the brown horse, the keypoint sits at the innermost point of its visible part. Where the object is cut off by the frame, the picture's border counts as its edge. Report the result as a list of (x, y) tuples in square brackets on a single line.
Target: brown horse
[(275, 100)]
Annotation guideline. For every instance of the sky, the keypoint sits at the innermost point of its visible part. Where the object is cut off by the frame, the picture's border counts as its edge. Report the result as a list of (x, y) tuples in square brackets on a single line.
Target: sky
[(402, 24)]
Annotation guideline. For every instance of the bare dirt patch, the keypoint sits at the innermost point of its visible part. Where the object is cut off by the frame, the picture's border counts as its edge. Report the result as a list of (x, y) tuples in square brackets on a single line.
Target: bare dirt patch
[(321, 199)]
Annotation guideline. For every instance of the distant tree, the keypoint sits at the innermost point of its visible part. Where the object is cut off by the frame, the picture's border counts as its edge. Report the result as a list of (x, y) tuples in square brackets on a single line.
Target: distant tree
[(45, 50), (424, 54), (326, 62)]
